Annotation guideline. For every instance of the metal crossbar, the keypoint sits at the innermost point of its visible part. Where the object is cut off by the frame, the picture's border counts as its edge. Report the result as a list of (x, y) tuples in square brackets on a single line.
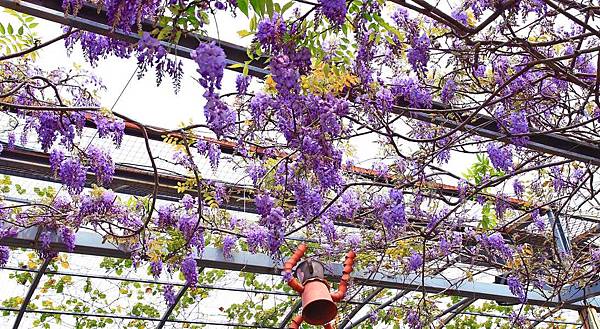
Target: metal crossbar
[(93, 244), (89, 19), (133, 317)]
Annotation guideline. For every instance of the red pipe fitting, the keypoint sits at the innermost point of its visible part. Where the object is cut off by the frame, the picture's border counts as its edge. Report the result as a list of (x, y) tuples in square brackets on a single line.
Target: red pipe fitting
[(348, 267), (297, 286), (296, 322), (289, 265)]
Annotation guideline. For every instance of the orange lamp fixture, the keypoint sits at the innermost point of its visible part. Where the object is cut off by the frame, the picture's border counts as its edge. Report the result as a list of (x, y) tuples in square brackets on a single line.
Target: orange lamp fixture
[(318, 303)]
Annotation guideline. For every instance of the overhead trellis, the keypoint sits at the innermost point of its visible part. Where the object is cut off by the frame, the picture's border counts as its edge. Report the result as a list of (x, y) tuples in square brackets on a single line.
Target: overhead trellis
[(496, 90)]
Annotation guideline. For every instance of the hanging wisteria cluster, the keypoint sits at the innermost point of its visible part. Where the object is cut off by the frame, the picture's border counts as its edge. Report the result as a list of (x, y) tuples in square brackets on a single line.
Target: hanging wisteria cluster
[(365, 134)]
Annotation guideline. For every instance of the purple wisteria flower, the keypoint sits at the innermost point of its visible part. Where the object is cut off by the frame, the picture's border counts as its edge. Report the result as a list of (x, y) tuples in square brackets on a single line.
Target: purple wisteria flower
[(518, 188), (394, 219), (101, 164), (516, 288), (501, 158), (415, 261), (328, 228), (241, 83), (418, 54), (412, 92), (479, 71), (211, 64), (220, 118), (190, 271), (448, 91), (56, 158), (45, 250), (73, 174), (156, 268), (68, 238), (10, 143), (537, 220), (334, 10), (229, 242), (270, 31), (257, 237), (113, 128), (285, 74), (558, 181), (520, 127), (4, 255), (353, 240), (169, 294), (495, 241), (264, 204), (188, 201), (166, 216), (413, 319)]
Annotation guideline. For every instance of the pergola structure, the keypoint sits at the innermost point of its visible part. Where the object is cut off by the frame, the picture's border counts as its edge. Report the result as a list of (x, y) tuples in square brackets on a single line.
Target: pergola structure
[(138, 180)]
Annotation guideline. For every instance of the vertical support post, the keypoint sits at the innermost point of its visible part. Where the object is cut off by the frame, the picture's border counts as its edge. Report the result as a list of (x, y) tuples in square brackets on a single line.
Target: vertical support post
[(589, 316), (180, 294), (560, 237), (378, 308), (357, 308), (288, 317), (453, 311), (30, 292)]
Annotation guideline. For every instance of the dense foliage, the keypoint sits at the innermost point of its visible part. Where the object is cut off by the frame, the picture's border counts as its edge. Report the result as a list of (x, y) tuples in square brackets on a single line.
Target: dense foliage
[(405, 80)]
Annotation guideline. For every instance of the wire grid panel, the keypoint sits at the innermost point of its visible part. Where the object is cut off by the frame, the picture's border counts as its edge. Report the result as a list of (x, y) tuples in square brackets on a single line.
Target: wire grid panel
[(133, 153)]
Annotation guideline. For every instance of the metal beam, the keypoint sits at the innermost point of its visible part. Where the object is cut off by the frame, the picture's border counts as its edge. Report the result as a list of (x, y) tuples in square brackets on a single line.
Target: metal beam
[(89, 19), (504, 316), (36, 281), (142, 318), (484, 126), (454, 310), (170, 309), (176, 284), (35, 165), (575, 293), (560, 235), (378, 308), (356, 309), (290, 314), (167, 314), (92, 244)]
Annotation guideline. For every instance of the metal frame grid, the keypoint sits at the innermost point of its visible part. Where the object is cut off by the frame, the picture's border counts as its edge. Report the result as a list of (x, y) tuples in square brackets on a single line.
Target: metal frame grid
[(28, 163)]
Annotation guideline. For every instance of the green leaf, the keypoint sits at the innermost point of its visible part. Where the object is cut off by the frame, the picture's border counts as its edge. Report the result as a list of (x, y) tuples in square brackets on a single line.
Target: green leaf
[(10, 29), (257, 5), (88, 286), (20, 31), (269, 4), (287, 6), (164, 32), (244, 33), (2, 30), (243, 5), (245, 71)]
